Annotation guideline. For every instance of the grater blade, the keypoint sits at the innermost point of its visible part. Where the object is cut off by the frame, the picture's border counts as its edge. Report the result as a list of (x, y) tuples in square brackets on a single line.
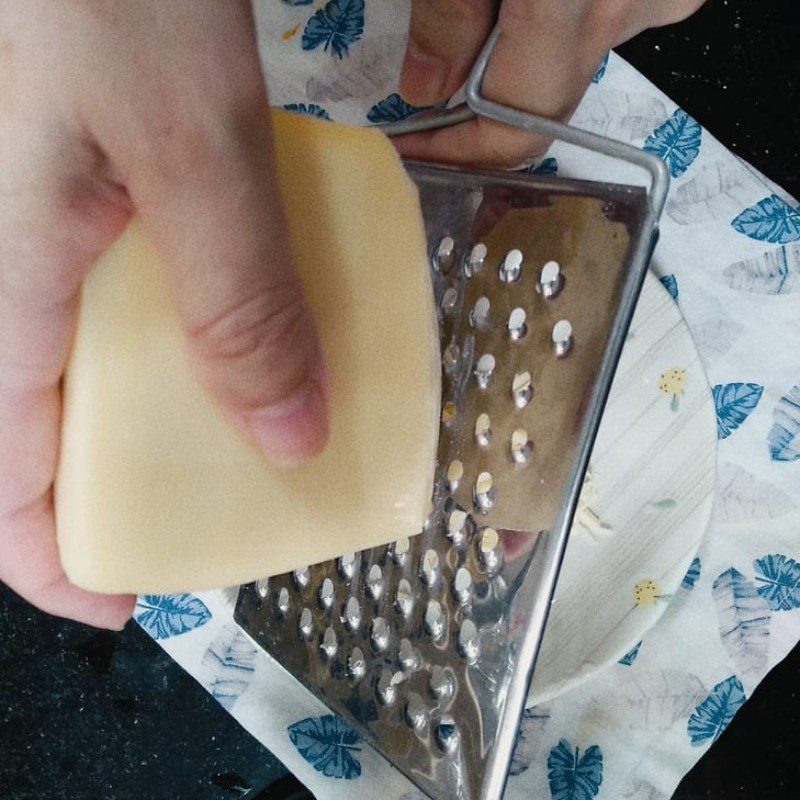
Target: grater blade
[(427, 645)]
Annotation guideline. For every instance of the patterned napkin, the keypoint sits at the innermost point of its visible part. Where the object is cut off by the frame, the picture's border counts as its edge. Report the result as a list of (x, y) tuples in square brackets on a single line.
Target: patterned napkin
[(730, 256)]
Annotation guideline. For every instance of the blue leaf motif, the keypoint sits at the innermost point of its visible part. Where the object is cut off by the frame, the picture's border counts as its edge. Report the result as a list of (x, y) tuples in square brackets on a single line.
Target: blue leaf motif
[(629, 657), (392, 109), (601, 70), (529, 738), (165, 615), (692, 574), (572, 776), (670, 283), (744, 621), (677, 141), (784, 435), (770, 220), (778, 580), (734, 402), (308, 110), (328, 744), (715, 713), (230, 660), (547, 166), (774, 272), (335, 27)]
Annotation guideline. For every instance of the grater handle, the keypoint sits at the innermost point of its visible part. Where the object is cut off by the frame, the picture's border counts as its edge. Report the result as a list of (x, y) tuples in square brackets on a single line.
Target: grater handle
[(478, 105)]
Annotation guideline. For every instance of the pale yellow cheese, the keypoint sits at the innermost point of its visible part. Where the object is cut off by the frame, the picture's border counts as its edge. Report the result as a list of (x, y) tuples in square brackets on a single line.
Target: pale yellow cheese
[(156, 491)]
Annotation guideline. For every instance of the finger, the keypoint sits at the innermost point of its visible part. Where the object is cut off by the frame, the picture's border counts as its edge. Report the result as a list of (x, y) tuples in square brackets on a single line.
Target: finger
[(444, 39), (544, 59), (52, 226), (196, 157)]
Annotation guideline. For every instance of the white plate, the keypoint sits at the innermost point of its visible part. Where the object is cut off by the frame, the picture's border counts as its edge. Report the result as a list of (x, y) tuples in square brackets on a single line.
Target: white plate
[(653, 472)]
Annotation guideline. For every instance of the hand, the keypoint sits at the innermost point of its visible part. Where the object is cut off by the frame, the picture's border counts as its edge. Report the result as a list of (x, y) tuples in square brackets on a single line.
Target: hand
[(107, 108), (544, 60)]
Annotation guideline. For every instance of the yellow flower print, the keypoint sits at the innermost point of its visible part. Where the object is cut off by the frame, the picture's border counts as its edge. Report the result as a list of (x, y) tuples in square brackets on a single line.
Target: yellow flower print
[(672, 383), (646, 592)]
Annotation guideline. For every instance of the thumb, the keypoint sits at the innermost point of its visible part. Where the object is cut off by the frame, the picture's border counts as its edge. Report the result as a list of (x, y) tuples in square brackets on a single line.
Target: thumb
[(205, 186)]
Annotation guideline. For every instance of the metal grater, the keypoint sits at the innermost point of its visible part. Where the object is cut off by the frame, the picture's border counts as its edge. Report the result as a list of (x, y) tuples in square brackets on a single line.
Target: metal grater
[(427, 646)]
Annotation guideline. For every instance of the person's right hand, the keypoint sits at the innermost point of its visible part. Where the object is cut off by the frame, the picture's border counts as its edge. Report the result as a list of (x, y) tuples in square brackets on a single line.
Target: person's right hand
[(544, 60), (158, 108)]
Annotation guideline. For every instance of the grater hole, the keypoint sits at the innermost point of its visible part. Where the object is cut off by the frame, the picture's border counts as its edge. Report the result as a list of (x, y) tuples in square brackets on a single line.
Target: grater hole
[(562, 337), (375, 582), (380, 634), (521, 447), (483, 430), (551, 280), (386, 687), (479, 316), (522, 389), (448, 412), (417, 715), (447, 735), (330, 644), (435, 620), (430, 567), (483, 492), (262, 588), (357, 664), (468, 640), (462, 585), (450, 358), (408, 656), (449, 300), (445, 253), (347, 566), (511, 266), (301, 578), (490, 552), (517, 324), (484, 370), (440, 683), (327, 594), (476, 260), (458, 526), (404, 599), (282, 601), (305, 625), (400, 549), (455, 472), (352, 614)]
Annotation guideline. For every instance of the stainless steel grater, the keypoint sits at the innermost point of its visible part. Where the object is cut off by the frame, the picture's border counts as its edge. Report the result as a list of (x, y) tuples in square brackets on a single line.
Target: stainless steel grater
[(427, 646)]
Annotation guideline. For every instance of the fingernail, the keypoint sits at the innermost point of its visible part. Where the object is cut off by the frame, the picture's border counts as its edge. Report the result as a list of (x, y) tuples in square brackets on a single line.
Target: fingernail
[(423, 78), (296, 429)]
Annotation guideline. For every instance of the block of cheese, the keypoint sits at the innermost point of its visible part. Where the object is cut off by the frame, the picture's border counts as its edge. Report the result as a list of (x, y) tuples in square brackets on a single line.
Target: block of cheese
[(157, 492)]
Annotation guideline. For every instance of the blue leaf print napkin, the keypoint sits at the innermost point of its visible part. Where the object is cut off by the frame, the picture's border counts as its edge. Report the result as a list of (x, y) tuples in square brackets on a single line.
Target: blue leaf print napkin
[(770, 220), (574, 776), (336, 27), (677, 141), (328, 744), (165, 615)]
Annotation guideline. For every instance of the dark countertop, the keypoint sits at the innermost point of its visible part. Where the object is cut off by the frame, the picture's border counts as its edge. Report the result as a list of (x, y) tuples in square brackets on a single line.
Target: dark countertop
[(91, 715)]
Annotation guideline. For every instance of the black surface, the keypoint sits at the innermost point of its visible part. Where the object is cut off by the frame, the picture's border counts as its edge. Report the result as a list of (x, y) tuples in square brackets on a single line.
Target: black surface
[(88, 715)]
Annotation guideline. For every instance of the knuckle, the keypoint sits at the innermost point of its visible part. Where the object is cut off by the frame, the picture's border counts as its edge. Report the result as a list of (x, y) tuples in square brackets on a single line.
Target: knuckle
[(506, 148), (246, 352), (252, 326)]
